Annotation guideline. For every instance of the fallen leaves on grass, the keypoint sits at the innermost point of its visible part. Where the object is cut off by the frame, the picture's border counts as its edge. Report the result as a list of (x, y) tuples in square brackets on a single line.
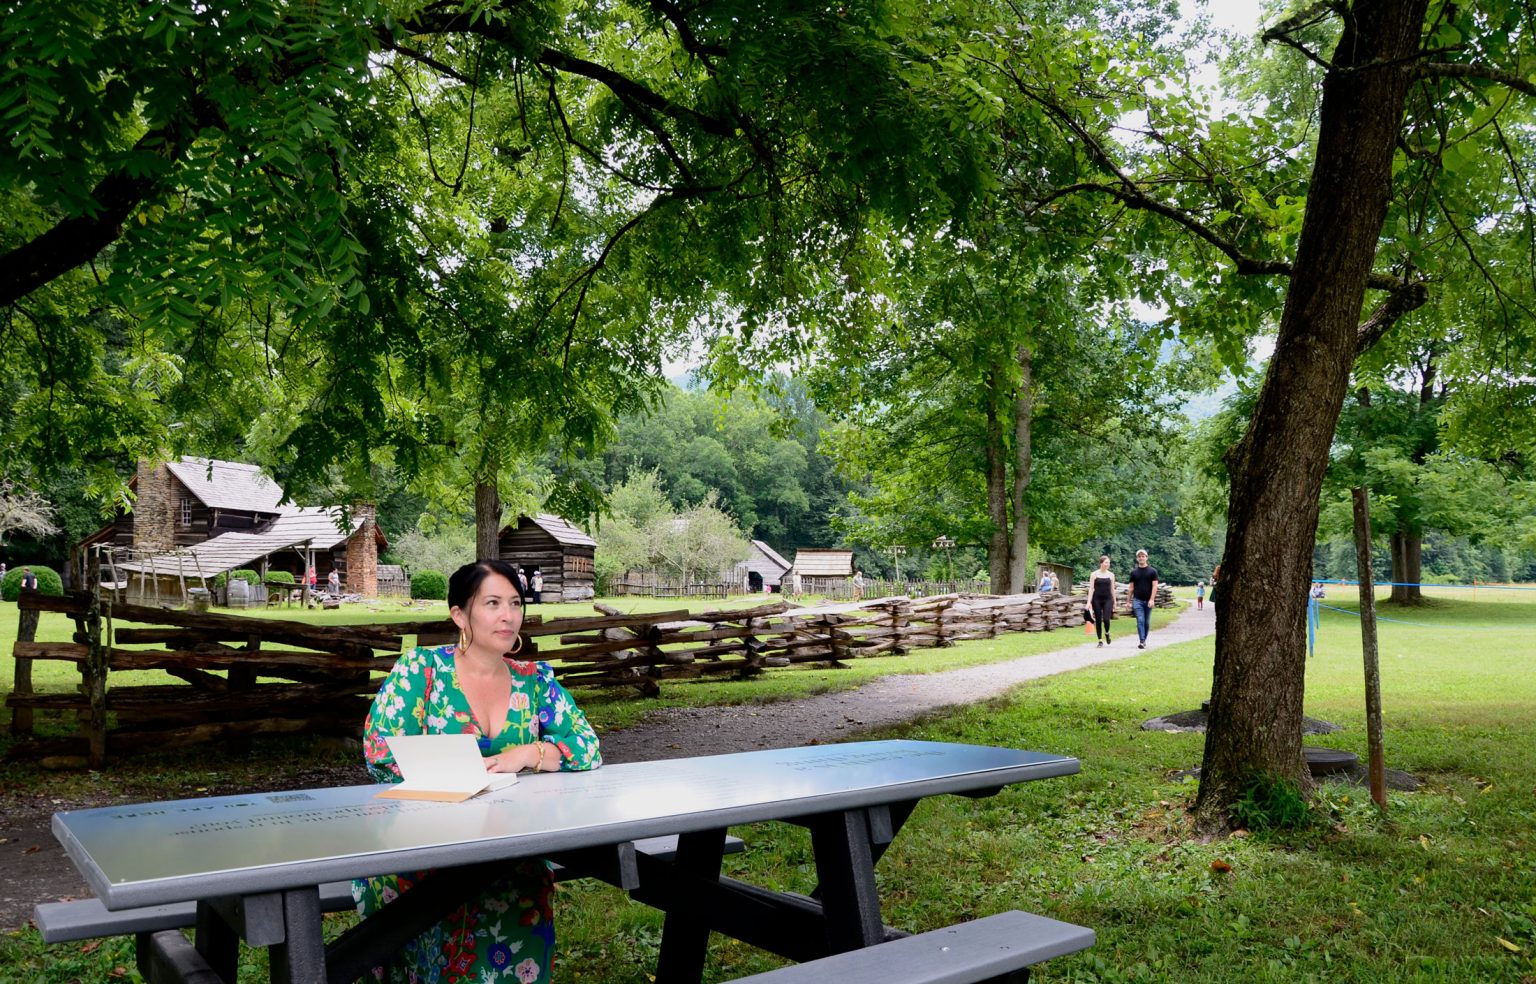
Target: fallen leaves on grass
[(1220, 867)]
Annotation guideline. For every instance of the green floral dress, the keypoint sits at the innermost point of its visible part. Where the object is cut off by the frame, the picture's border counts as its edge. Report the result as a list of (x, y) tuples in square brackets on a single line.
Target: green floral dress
[(508, 932)]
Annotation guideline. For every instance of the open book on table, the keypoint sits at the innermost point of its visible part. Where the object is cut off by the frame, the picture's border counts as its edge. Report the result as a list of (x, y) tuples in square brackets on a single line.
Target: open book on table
[(444, 768)]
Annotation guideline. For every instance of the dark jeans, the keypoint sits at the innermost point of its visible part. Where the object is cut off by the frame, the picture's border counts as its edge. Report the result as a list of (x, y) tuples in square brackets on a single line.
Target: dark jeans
[(1143, 612)]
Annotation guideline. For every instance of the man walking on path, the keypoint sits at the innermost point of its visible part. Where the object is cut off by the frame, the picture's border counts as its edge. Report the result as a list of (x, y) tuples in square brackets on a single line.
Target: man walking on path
[(1143, 592)]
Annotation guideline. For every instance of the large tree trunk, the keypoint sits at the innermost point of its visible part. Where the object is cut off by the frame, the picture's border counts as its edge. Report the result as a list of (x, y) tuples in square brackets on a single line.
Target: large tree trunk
[(1407, 565), (1277, 468), (997, 487), (1019, 575), (487, 521)]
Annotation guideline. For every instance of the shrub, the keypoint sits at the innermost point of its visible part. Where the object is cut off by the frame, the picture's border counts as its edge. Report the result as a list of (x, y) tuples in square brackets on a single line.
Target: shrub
[(282, 576), (48, 582), (248, 576), (429, 585)]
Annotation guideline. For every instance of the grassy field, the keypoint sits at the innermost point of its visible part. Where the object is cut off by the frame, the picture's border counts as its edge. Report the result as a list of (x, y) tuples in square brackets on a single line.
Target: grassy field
[(1441, 888)]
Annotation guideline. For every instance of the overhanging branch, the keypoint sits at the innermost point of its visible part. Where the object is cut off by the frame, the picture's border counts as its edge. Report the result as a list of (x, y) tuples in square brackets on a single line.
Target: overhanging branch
[(1458, 70), (1405, 298)]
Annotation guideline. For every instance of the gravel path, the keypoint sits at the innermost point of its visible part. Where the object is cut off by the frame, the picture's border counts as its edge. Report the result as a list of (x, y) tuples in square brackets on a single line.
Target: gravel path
[(674, 733), (33, 868)]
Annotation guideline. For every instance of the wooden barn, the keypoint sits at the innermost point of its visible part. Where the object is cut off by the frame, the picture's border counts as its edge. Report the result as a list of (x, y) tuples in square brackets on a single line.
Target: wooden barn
[(555, 548), (763, 569), (822, 570)]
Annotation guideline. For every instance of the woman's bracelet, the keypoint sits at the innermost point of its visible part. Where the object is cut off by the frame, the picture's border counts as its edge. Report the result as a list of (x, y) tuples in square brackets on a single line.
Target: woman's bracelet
[(539, 766)]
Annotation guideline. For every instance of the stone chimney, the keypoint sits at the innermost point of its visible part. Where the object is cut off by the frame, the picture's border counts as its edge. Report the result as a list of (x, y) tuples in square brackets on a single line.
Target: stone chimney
[(363, 553), (154, 514)]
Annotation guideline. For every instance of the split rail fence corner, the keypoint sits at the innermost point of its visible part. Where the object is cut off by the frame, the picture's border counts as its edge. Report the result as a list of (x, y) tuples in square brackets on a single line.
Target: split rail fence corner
[(248, 676)]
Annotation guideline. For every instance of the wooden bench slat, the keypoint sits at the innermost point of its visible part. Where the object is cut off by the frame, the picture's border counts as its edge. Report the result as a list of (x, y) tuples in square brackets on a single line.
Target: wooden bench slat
[(963, 954), (84, 919)]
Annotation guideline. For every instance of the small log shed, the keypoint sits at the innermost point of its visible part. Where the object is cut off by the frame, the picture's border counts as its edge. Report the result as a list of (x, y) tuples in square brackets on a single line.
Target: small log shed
[(560, 551)]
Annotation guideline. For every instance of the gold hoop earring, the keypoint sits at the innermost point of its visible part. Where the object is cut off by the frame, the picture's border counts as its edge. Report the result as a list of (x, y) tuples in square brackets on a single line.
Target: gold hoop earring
[(517, 647)]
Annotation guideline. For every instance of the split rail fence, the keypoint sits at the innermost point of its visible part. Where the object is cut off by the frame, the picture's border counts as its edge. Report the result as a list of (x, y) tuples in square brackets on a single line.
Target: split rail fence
[(248, 676)]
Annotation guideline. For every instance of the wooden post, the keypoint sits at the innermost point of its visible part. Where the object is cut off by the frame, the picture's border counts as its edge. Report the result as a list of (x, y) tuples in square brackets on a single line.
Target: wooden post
[(26, 631), (95, 666), (242, 679), (1377, 767)]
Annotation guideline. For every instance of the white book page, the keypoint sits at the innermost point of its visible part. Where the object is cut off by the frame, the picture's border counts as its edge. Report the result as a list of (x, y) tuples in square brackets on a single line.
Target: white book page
[(443, 764)]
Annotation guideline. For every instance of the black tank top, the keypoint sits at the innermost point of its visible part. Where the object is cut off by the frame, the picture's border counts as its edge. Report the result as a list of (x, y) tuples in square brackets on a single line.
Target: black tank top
[(1101, 589)]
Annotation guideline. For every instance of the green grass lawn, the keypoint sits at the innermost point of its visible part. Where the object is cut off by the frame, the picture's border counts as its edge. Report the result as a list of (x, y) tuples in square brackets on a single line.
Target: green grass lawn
[(1443, 888)]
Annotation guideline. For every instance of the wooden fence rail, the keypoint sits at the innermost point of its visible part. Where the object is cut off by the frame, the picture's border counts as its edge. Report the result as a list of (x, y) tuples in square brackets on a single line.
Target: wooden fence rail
[(248, 676)]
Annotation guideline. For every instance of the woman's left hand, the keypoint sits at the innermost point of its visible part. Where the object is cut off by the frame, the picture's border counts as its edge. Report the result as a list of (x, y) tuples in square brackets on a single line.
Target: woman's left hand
[(514, 759)]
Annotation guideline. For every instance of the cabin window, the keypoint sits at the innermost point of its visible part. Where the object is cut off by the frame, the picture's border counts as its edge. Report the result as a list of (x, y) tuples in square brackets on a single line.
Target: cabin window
[(186, 511)]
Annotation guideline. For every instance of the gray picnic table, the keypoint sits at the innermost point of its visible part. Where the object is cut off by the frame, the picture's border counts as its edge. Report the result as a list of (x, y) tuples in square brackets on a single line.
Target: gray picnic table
[(254, 864)]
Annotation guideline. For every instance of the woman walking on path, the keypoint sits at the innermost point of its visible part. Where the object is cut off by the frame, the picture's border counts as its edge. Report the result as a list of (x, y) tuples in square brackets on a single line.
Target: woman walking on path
[(1101, 599)]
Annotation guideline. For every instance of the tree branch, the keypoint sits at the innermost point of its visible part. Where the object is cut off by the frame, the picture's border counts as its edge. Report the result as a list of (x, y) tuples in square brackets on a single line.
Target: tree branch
[(387, 40), (1458, 70), (76, 240), (437, 20), (1409, 296)]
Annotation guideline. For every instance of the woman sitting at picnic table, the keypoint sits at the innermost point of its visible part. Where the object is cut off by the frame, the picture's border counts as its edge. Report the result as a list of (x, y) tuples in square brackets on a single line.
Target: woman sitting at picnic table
[(524, 719)]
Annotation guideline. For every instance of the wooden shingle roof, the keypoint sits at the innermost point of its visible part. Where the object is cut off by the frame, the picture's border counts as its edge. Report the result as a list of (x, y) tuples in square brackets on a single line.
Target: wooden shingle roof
[(312, 527), (564, 533), (771, 554), (227, 484), (824, 563)]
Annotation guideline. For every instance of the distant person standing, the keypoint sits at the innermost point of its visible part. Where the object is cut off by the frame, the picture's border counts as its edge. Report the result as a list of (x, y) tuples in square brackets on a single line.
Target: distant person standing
[(28, 579), (858, 585), (333, 583), (796, 583), (1101, 599), (1047, 583), (1199, 596), (538, 586), (1142, 590)]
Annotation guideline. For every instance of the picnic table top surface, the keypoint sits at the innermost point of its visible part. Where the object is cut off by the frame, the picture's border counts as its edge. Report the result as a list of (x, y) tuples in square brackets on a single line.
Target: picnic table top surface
[(155, 853)]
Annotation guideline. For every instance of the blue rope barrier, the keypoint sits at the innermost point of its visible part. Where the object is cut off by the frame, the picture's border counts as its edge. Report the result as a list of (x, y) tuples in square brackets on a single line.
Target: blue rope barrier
[(1426, 625), (1425, 584)]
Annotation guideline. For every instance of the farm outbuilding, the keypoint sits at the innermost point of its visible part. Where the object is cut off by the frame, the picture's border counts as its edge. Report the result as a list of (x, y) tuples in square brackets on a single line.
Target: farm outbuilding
[(763, 568), (1061, 573), (822, 570), (561, 552)]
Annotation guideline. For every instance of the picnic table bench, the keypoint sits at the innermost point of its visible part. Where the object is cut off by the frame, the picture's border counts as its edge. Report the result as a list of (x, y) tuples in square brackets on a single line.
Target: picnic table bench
[(998, 949)]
